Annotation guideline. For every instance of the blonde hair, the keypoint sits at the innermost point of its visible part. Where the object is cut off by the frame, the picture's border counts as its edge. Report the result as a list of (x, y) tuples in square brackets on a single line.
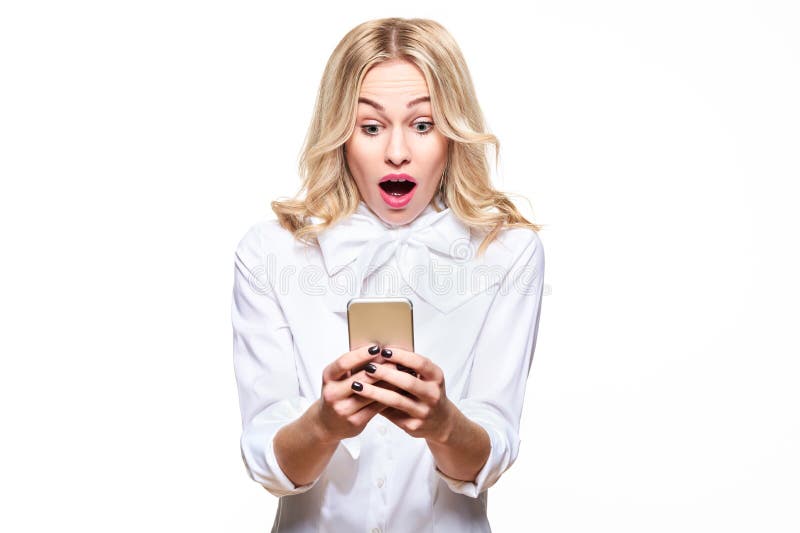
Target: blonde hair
[(465, 186)]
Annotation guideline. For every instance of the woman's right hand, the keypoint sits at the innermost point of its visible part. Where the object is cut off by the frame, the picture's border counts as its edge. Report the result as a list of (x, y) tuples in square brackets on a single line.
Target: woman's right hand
[(341, 413)]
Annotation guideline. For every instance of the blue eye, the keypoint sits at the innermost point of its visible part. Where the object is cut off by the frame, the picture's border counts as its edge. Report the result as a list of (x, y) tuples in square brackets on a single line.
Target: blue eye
[(374, 133), (427, 130)]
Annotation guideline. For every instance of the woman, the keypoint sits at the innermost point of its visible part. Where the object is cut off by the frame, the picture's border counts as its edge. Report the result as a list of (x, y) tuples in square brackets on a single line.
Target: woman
[(397, 199)]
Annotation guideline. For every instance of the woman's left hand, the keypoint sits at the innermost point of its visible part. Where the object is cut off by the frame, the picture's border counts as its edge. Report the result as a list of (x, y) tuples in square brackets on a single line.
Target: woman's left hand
[(424, 411)]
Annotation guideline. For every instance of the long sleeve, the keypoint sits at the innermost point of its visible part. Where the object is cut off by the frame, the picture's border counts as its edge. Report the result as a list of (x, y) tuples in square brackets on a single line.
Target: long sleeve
[(502, 361), (264, 365)]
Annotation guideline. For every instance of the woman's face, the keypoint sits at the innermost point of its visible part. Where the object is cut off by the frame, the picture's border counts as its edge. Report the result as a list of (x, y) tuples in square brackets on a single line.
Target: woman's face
[(394, 138)]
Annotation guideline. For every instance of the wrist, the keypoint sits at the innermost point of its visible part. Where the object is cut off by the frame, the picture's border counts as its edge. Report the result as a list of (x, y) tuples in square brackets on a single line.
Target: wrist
[(446, 429), (317, 428)]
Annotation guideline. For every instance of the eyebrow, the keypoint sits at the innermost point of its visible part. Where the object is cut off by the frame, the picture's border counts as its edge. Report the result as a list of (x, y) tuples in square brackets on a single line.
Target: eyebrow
[(379, 107)]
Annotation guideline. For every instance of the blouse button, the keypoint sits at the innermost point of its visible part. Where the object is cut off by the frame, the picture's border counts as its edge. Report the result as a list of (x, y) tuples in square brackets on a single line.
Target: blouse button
[(382, 430), (379, 482)]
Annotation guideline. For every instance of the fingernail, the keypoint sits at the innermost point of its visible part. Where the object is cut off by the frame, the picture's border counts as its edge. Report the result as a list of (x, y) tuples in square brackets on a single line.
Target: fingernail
[(387, 353), (406, 369), (357, 386), (374, 349), (371, 368)]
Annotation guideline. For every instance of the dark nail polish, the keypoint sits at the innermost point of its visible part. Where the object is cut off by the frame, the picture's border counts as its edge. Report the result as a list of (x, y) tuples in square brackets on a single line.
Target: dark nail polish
[(357, 386), (374, 349), (387, 353), (371, 368), (406, 370)]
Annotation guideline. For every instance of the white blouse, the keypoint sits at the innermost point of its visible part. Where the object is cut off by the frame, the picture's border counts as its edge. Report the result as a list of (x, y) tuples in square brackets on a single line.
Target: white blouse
[(477, 318)]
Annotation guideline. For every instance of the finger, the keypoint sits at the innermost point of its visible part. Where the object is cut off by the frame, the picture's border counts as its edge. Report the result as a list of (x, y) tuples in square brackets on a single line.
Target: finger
[(392, 399), (375, 361), (340, 367), (407, 370), (352, 405), (355, 403), (403, 381), (395, 415), (343, 388), (363, 415), (426, 369)]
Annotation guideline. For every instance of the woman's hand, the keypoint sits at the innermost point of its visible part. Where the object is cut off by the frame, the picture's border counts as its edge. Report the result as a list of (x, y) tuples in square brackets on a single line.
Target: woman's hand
[(341, 413), (425, 411)]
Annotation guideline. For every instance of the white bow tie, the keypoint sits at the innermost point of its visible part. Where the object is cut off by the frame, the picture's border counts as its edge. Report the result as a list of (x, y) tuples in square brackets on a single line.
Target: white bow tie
[(431, 252)]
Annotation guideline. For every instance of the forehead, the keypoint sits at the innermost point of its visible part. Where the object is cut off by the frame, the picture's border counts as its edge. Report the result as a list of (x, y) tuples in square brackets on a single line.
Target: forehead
[(393, 78)]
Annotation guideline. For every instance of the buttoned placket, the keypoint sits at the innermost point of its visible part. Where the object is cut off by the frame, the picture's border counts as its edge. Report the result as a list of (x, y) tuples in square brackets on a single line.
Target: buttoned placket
[(384, 458), (380, 461), (380, 456)]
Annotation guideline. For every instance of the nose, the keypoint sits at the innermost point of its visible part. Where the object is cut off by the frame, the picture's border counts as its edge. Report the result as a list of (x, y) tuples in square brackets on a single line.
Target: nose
[(397, 151)]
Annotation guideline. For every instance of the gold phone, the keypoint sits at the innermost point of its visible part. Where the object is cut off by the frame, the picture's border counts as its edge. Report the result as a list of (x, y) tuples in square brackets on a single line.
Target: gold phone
[(382, 321)]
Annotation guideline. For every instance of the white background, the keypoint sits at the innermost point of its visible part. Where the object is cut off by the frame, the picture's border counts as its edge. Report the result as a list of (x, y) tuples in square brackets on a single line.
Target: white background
[(657, 141)]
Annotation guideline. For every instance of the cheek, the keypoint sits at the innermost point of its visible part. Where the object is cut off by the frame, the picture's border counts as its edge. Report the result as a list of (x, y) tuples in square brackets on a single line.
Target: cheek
[(363, 154), (436, 152), (354, 158)]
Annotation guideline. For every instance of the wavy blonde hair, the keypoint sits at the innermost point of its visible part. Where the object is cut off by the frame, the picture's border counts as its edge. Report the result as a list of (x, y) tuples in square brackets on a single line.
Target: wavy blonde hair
[(465, 186)]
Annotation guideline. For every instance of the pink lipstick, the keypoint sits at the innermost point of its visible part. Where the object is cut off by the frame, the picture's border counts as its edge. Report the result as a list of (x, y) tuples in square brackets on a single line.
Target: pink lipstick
[(397, 189)]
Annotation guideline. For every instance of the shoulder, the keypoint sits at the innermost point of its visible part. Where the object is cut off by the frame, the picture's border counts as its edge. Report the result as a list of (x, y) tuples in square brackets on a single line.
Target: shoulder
[(518, 253), (519, 238), (265, 236), (519, 246)]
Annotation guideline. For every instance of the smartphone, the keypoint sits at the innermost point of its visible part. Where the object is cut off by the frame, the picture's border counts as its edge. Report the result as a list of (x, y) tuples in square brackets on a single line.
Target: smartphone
[(381, 321)]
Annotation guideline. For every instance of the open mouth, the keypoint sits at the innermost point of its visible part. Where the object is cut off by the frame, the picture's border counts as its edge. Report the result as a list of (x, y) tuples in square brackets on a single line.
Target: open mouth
[(397, 188)]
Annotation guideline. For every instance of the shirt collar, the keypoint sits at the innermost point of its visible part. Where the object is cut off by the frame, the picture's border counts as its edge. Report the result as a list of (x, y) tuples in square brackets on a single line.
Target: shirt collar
[(342, 243), (436, 242)]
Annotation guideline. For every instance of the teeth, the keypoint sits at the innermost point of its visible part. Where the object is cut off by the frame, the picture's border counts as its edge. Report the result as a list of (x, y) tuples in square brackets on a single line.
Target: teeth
[(398, 181)]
